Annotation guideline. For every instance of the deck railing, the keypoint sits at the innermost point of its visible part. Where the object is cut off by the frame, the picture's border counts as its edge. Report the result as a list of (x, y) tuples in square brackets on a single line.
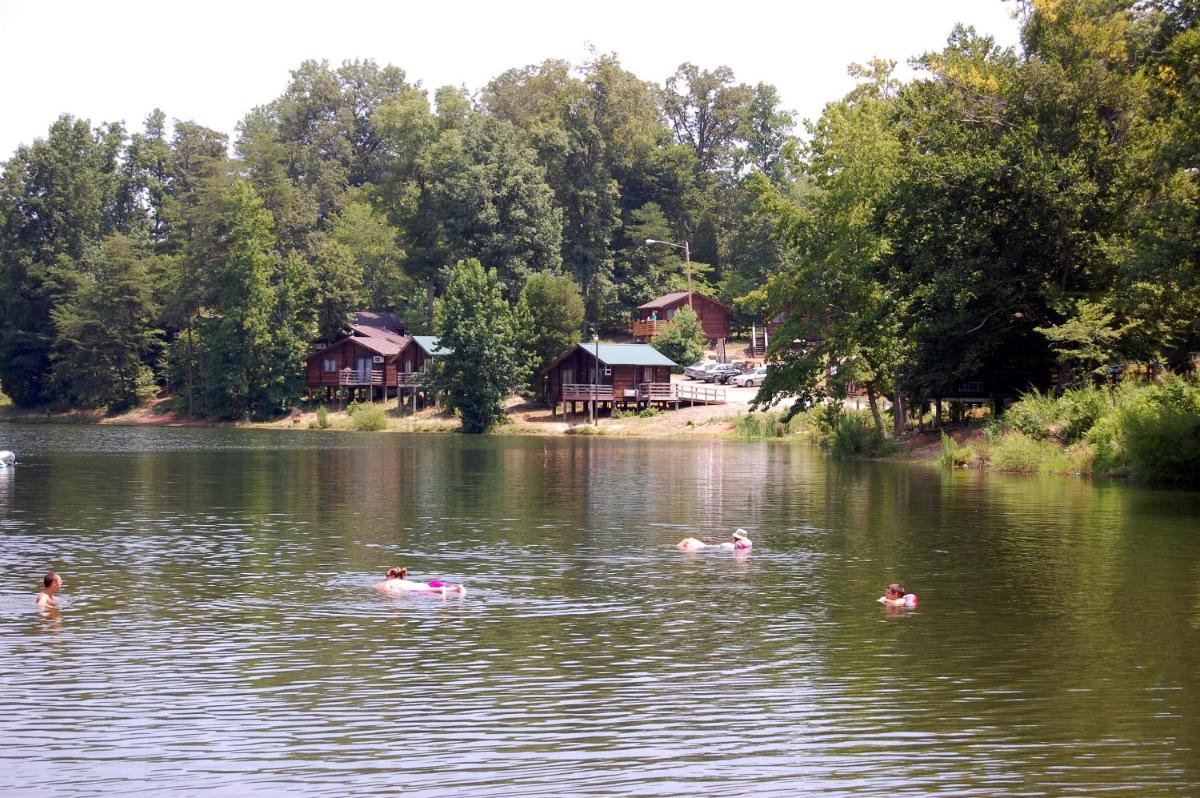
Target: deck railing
[(656, 392), (354, 377), (647, 328), (409, 379), (673, 391), (587, 392)]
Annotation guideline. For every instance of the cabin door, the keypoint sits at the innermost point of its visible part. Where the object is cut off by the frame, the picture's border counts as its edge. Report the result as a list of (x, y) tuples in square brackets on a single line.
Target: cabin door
[(364, 369)]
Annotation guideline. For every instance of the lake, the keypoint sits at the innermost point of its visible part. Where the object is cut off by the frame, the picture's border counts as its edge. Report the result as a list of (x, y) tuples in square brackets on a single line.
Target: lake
[(219, 633)]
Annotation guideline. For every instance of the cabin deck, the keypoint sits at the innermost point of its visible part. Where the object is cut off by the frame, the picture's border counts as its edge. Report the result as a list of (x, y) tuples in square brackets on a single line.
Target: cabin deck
[(646, 394)]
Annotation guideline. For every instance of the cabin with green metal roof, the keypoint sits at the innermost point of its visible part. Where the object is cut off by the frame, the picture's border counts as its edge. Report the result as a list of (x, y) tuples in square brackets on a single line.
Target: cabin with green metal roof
[(606, 375)]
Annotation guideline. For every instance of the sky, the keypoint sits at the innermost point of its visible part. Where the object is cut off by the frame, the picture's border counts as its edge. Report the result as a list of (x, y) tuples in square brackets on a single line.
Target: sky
[(211, 62)]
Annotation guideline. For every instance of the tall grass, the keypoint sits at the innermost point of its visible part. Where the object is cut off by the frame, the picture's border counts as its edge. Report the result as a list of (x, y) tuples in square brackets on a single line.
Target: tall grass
[(764, 426), (1149, 432), (370, 417)]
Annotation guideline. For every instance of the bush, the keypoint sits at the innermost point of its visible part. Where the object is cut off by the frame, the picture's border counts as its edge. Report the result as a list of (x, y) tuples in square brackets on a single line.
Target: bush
[(683, 339), (953, 454), (368, 418), (1104, 440), (322, 420), (1067, 418), (1033, 415), (1016, 451), (856, 436), (1161, 432), (1080, 409), (649, 412), (759, 426)]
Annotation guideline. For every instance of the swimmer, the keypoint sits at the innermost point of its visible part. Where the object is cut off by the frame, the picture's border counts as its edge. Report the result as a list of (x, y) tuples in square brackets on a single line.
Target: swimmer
[(740, 542), (52, 583), (397, 581), (896, 596)]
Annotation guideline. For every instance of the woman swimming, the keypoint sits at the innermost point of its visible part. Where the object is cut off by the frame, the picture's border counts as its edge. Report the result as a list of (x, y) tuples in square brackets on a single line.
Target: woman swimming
[(740, 542), (397, 581)]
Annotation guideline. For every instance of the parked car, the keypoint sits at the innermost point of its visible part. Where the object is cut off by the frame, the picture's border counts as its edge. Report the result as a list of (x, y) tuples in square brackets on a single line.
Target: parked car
[(722, 373), (697, 371), (751, 379)]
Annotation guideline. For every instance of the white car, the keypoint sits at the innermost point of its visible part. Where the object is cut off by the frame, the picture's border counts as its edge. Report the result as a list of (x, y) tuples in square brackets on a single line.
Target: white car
[(698, 371), (751, 379)]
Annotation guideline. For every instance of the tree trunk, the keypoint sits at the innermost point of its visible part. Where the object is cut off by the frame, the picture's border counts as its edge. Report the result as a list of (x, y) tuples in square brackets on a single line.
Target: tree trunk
[(872, 401), (898, 412), (191, 361), (429, 301)]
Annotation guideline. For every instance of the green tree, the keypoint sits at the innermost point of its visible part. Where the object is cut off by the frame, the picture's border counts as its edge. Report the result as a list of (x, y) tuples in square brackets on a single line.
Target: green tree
[(836, 294), (58, 196), (550, 311), (483, 362), (106, 345), (683, 339), (236, 334)]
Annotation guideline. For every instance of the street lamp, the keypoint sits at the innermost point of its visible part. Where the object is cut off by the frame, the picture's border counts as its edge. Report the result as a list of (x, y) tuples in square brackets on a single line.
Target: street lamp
[(687, 259)]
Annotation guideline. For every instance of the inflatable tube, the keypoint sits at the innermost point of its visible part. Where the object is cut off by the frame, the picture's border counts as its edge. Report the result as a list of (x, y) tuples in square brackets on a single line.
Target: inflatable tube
[(7, 459)]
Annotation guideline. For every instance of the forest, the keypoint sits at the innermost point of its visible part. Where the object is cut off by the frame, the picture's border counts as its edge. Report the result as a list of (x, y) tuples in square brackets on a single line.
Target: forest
[(1030, 216)]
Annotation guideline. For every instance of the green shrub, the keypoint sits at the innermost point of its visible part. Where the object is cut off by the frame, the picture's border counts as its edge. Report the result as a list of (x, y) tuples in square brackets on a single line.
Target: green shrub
[(1016, 451), (1104, 440), (322, 420), (1034, 414), (369, 418), (856, 436), (954, 454), (1079, 410), (756, 426), (683, 339), (649, 412), (1161, 432)]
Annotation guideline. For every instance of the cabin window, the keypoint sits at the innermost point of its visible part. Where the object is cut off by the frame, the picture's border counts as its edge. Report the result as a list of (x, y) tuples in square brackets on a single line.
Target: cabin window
[(408, 366), (330, 365), (568, 375), (647, 374)]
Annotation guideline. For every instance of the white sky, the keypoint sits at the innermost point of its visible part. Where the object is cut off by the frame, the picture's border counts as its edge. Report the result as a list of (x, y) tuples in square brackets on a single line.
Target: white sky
[(212, 62)]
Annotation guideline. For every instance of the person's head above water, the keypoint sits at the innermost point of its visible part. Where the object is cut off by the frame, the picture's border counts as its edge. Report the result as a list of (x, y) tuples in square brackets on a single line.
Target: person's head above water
[(52, 579), (740, 535), (397, 573), (895, 590)]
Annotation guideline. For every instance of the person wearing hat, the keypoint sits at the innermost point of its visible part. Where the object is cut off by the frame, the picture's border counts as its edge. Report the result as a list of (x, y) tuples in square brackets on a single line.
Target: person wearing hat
[(740, 542)]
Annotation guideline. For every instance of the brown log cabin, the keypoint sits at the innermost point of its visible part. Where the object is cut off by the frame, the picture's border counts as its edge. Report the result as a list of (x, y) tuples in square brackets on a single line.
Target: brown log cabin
[(607, 375), (362, 362), (655, 314)]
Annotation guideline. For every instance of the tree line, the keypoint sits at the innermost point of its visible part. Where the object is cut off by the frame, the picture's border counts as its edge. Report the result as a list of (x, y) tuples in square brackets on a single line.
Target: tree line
[(175, 259), (1016, 217), (1020, 215)]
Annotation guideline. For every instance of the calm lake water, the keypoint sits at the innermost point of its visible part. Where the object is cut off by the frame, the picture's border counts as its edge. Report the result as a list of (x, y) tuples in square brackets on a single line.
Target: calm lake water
[(219, 634)]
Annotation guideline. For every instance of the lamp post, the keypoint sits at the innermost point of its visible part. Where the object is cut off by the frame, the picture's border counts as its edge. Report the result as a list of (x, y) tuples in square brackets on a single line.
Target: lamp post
[(687, 259), (595, 379)]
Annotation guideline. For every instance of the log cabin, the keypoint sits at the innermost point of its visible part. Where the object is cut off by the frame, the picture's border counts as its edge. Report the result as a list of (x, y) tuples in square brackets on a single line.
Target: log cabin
[(362, 362), (607, 375), (655, 314)]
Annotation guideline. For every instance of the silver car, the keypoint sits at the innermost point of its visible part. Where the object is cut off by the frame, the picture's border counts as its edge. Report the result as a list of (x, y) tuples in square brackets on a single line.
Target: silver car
[(751, 379), (698, 371)]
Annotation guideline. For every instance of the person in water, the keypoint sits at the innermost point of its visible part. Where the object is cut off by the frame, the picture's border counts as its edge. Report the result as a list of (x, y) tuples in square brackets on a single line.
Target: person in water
[(894, 595), (397, 580), (52, 583), (739, 542)]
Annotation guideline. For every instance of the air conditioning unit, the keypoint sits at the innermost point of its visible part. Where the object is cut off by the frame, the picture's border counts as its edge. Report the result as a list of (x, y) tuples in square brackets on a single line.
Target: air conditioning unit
[(377, 359)]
